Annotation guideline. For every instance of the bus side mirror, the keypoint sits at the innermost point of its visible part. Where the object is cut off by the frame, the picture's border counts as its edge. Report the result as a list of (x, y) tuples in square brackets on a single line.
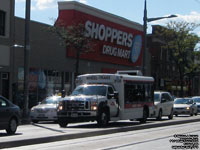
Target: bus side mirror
[(163, 100), (116, 94), (110, 96)]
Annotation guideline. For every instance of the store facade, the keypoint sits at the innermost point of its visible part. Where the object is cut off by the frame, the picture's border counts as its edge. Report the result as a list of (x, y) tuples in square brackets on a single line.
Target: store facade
[(118, 46), (116, 39)]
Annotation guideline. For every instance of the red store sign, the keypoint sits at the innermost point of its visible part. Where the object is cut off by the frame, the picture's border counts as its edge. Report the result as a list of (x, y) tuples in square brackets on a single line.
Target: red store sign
[(114, 42)]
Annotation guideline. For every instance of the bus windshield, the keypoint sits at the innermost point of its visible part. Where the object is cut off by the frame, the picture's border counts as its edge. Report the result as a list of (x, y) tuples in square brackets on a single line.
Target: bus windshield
[(90, 90)]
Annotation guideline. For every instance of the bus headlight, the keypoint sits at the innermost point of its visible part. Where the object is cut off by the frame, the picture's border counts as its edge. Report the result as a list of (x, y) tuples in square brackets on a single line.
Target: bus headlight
[(93, 106), (60, 106)]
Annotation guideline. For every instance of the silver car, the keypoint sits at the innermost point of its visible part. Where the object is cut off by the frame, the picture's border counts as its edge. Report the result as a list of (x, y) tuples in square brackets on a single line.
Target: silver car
[(163, 103), (185, 106), (197, 101), (46, 110)]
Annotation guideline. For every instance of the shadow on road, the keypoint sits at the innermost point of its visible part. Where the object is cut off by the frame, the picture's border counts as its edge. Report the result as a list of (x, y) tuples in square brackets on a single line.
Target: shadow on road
[(44, 127), (5, 134)]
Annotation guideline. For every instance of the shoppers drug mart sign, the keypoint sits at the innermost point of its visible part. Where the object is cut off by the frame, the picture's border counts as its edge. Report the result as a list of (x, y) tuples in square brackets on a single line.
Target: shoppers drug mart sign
[(116, 40), (108, 34)]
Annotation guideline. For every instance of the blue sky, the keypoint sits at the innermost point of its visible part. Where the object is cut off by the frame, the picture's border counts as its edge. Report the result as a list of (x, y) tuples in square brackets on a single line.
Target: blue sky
[(46, 11)]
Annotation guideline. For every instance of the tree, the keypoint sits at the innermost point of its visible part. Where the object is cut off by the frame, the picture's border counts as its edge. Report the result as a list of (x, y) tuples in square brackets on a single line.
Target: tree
[(73, 37), (180, 42)]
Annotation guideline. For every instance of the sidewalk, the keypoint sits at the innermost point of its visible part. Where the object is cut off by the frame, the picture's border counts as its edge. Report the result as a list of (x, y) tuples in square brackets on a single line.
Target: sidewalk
[(43, 133)]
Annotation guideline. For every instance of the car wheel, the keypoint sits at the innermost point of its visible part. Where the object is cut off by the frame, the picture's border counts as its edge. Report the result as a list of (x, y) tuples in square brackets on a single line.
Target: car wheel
[(171, 115), (12, 126), (196, 113), (103, 118), (159, 115)]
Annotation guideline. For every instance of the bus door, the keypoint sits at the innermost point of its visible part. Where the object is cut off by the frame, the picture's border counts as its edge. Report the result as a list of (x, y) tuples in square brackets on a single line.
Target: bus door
[(112, 102)]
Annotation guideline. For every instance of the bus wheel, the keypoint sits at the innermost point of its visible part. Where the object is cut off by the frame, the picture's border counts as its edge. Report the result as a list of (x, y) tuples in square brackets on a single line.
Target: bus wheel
[(103, 118), (145, 115), (62, 123)]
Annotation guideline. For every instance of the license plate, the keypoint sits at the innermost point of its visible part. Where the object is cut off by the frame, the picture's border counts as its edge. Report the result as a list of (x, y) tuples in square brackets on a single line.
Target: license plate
[(74, 115)]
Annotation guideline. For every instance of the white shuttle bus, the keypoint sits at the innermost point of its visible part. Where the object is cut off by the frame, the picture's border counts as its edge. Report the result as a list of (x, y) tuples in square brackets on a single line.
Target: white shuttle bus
[(108, 97)]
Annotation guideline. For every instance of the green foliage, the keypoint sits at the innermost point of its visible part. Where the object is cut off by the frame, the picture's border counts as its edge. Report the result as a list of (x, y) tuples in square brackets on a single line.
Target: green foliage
[(73, 37), (180, 42)]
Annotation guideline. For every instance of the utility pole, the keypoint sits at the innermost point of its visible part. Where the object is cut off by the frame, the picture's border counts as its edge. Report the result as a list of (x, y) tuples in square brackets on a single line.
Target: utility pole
[(145, 38), (145, 21), (26, 58)]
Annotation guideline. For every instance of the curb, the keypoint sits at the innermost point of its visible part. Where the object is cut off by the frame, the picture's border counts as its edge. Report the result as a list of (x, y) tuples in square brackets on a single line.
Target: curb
[(25, 142)]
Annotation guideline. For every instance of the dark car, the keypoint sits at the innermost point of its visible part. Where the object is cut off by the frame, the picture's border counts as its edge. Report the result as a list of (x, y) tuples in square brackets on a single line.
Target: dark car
[(9, 116)]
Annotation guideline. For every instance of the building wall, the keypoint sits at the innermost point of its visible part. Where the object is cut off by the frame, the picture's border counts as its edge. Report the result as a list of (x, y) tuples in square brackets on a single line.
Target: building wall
[(50, 67), (48, 57), (6, 40)]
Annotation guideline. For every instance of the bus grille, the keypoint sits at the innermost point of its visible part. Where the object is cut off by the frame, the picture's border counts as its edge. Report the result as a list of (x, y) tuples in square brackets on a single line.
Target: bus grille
[(76, 105)]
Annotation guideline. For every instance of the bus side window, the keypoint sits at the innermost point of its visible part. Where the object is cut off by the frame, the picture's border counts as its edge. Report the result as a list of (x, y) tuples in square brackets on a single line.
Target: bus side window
[(130, 95), (140, 93), (148, 92)]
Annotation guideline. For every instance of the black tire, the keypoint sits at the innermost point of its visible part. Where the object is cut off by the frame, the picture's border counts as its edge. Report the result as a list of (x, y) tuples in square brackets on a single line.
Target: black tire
[(12, 126), (176, 115), (103, 118), (35, 121), (171, 115), (145, 116), (192, 113), (62, 123), (159, 115)]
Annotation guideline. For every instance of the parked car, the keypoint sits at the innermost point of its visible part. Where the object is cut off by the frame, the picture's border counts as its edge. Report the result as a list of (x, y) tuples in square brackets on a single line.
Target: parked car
[(197, 101), (185, 106), (163, 102), (46, 110), (10, 116)]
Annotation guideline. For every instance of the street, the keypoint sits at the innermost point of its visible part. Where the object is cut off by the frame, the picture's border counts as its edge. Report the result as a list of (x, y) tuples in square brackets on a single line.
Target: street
[(78, 135), (151, 139)]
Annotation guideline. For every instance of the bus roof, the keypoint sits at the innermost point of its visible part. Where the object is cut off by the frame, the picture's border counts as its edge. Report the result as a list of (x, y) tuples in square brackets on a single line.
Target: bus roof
[(107, 76)]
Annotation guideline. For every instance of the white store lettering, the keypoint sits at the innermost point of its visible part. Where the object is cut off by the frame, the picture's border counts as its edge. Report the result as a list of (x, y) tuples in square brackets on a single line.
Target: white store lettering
[(106, 33), (117, 52)]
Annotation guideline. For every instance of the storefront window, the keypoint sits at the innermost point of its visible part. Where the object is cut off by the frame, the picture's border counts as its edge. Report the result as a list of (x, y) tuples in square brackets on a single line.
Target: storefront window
[(42, 83)]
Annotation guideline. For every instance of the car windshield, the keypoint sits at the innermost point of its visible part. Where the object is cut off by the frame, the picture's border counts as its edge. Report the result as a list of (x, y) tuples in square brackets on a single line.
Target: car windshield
[(156, 97), (197, 100), (51, 100), (183, 101), (90, 90)]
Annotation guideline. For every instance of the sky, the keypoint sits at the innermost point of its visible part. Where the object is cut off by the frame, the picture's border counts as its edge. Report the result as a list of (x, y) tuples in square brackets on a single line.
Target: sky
[(46, 11)]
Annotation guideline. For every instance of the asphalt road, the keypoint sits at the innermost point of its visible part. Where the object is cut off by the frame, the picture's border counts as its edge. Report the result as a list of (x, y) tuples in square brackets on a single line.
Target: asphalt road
[(160, 138), (46, 132)]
